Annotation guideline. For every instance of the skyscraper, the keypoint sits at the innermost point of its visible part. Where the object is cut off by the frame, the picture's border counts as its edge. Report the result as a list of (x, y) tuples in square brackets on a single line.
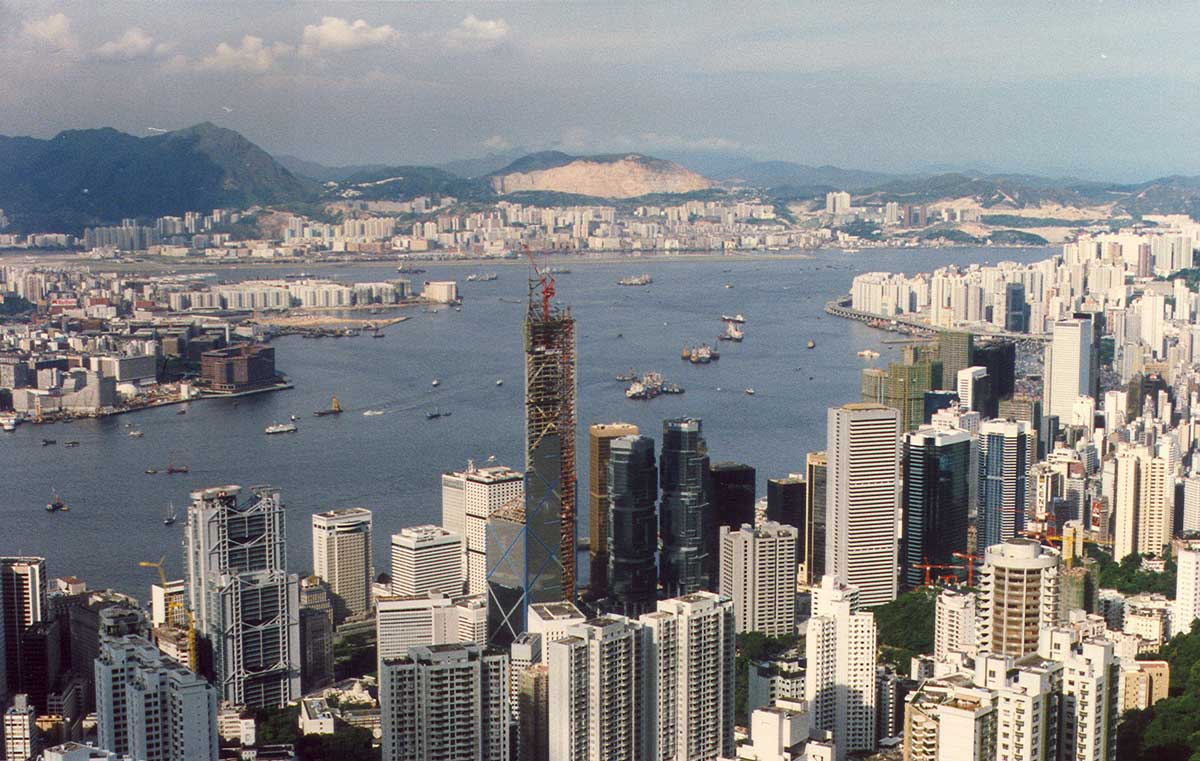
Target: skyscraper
[(533, 725), (468, 498), (426, 559), (954, 347), (973, 389), (906, 386), (600, 437), (689, 645), (787, 503), (245, 603), (816, 466), (1187, 590), (840, 679), (953, 623), (999, 357), (860, 547), (732, 503), (23, 587), (20, 730), (1018, 596), (531, 548), (686, 520), (632, 542), (758, 572), (1005, 456), (1070, 370), (596, 692), (1016, 311), (444, 702), (342, 558), (150, 707), (1144, 506), (938, 470)]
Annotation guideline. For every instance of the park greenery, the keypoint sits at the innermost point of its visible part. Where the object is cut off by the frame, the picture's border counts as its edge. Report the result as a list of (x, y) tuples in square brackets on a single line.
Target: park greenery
[(905, 627), (1128, 577), (754, 646), (1170, 729)]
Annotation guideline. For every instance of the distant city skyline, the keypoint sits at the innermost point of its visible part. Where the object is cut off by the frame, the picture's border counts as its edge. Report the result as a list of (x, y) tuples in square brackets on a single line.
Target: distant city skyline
[(1086, 91)]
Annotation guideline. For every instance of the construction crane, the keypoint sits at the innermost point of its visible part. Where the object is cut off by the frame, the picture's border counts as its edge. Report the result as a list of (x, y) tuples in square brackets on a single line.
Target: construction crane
[(970, 560), (927, 566), (545, 282), (174, 605)]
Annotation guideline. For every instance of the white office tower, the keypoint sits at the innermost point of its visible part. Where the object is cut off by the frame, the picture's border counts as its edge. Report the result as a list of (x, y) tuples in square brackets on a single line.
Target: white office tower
[(688, 647), (1187, 591), (150, 707), (524, 652), (840, 683), (595, 699), (957, 418), (472, 619), (552, 620), (1145, 504), (1191, 505), (863, 488), (404, 621), (468, 498), (948, 719), (1090, 694), (1018, 596), (1069, 367), (341, 546), (426, 559), (244, 601), (20, 730), (443, 702), (758, 572), (785, 733), (970, 381), (953, 623)]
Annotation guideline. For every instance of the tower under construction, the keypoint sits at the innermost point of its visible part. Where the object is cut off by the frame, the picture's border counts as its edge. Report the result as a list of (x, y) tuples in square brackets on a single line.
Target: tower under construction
[(531, 551)]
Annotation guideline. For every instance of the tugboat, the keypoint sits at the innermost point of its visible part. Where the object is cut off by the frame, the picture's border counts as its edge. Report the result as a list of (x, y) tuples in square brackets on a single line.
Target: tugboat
[(56, 504), (335, 408)]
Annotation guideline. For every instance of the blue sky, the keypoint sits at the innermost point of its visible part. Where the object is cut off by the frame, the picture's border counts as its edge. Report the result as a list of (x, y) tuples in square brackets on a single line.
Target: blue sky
[(1098, 90)]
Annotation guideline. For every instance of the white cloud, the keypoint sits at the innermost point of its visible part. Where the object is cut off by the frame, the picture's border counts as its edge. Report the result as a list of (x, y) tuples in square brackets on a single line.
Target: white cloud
[(654, 140), (251, 54), (478, 34), (337, 34), (54, 31), (134, 43), (497, 143)]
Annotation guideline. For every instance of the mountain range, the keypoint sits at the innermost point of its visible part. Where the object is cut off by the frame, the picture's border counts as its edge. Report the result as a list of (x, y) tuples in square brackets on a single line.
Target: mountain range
[(100, 176)]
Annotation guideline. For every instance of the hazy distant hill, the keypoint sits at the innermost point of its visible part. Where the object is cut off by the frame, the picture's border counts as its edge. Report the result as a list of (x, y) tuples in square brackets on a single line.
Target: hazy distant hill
[(85, 177), (768, 174), (626, 175), (396, 183), (320, 172)]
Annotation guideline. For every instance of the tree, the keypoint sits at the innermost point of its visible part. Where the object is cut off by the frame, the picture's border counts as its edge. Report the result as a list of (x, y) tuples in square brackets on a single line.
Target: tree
[(905, 626)]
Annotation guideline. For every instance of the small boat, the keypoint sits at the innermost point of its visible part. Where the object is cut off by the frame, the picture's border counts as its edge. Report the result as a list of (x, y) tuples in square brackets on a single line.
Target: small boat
[(643, 279), (686, 354), (811, 344), (71, 444), (372, 413), (749, 392), (151, 471), (378, 333), (671, 388), (277, 428), (732, 333), (436, 383), (335, 408), (632, 374), (729, 285), (136, 434), (56, 504), (48, 442), (435, 414), (294, 418), (172, 467), (181, 412), (499, 382), (8, 424), (868, 354), (169, 518), (738, 318)]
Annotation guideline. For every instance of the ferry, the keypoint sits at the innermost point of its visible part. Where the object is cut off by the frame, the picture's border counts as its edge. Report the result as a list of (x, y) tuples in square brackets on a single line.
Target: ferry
[(738, 318), (642, 279), (271, 430)]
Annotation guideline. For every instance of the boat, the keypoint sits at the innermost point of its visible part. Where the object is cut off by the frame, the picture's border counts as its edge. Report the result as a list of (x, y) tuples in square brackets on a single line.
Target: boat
[(686, 354), (701, 355), (729, 285), (749, 392), (672, 388), (8, 424), (378, 334), (732, 333), (629, 376), (868, 354), (172, 467), (181, 412), (738, 318), (271, 430), (637, 390), (48, 442), (372, 413), (499, 382), (169, 518), (294, 418), (811, 344), (435, 414), (436, 383), (642, 279), (335, 408), (71, 444), (135, 434), (151, 471), (405, 269), (56, 504)]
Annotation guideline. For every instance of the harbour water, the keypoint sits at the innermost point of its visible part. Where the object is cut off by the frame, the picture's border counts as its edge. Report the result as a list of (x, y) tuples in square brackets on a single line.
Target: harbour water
[(391, 462)]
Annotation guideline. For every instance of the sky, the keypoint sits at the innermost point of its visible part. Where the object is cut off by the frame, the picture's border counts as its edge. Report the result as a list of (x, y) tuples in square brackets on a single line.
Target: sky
[(1099, 90)]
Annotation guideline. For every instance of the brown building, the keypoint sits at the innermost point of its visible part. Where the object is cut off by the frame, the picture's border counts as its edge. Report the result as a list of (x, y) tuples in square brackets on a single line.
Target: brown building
[(238, 368), (600, 438)]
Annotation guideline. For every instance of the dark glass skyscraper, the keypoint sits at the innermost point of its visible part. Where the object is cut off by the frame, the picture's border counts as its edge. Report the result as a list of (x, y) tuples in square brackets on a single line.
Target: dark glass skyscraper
[(937, 499), (787, 504), (817, 470), (685, 517), (1000, 359), (732, 502), (632, 525), (1006, 450), (1016, 311)]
